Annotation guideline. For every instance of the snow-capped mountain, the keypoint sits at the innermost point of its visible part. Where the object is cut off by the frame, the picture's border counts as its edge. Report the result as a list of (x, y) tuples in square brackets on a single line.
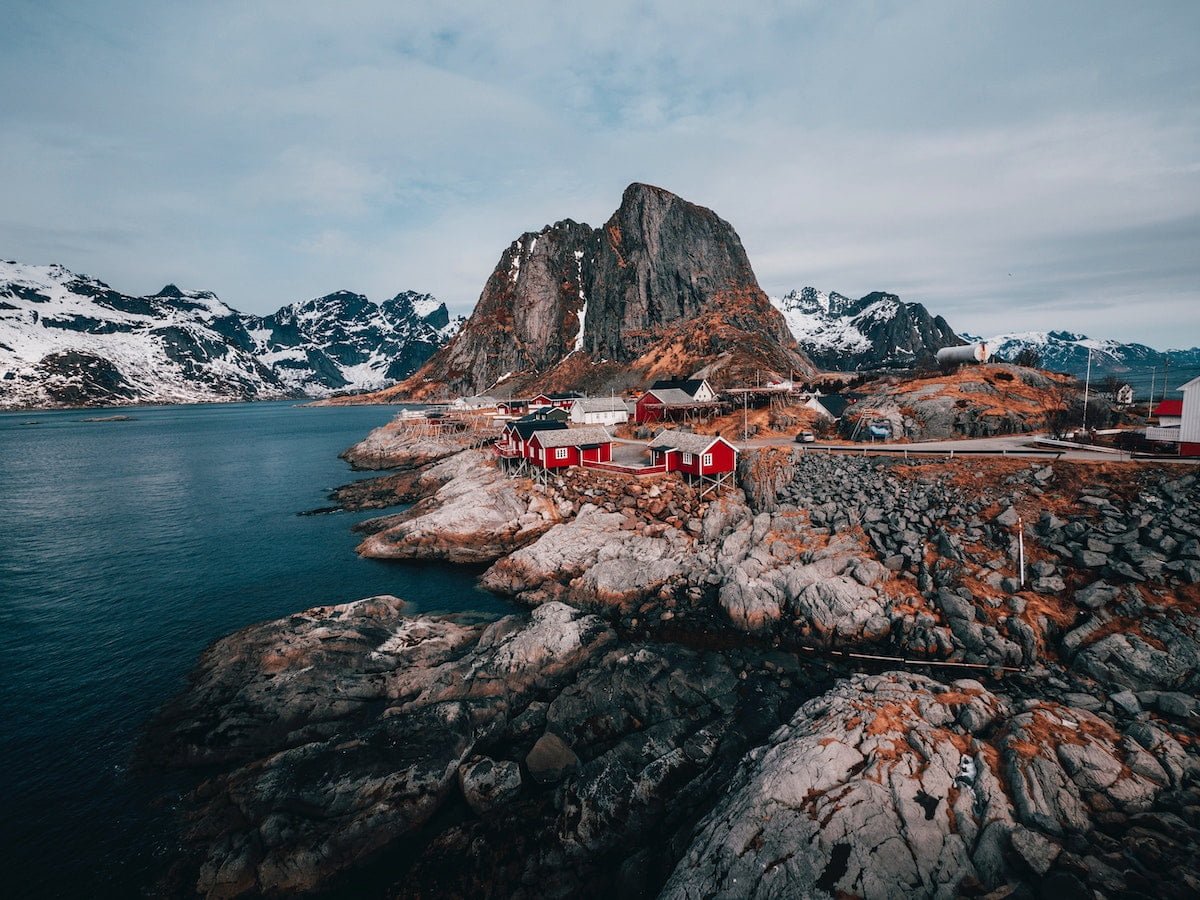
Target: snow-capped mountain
[(1066, 351), (71, 340), (344, 341), (875, 331)]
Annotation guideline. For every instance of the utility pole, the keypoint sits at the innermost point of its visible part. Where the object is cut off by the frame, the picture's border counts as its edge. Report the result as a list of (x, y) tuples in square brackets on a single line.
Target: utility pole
[(1086, 385), (1166, 365), (1150, 405), (745, 418)]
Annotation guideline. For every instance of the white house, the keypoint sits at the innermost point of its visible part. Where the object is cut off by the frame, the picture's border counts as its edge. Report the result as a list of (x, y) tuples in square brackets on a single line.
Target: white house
[(1189, 424), (599, 411)]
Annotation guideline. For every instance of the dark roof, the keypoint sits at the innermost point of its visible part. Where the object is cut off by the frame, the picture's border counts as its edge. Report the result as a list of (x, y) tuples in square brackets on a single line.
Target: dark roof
[(837, 403), (687, 385), (526, 428), (674, 397), (543, 413)]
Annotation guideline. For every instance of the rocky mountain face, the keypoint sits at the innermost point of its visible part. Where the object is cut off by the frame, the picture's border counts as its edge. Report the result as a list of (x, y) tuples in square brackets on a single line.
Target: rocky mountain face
[(71, 340), (664, 287), (874, 332)]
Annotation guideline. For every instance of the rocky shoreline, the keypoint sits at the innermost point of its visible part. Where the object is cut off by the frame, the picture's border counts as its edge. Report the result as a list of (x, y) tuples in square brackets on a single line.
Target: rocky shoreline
[(704, 700)]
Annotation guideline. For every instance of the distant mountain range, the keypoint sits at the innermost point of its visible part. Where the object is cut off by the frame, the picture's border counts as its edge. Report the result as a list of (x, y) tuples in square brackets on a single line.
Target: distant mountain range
[(881, 331), (874, 332), (662, 289), (71, 340), (1135, 364)]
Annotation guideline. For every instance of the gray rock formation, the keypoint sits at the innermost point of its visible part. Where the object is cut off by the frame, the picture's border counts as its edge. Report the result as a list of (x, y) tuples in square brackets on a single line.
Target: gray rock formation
[(664, 282)]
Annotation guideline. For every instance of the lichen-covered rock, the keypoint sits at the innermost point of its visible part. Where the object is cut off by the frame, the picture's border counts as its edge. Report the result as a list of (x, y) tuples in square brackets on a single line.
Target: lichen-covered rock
[(897, 785)]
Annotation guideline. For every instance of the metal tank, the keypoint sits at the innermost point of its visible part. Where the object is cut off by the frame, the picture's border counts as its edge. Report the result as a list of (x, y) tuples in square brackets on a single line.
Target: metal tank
[(966, 353)]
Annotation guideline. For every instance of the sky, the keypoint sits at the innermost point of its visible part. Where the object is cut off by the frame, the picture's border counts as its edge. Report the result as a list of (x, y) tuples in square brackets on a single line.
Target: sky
[(1012, 165)]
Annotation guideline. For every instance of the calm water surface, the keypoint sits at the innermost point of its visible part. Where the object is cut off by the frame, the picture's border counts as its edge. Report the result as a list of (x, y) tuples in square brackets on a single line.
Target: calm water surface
[(125, 548)]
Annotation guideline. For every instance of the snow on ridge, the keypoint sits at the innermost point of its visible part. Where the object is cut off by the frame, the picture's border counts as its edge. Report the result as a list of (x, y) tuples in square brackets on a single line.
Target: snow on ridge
[(812, 325), (426, 306)]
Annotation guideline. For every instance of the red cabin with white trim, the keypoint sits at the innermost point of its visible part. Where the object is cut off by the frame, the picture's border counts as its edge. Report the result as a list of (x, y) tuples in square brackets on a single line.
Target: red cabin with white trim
[(558, 449), (694, 454)]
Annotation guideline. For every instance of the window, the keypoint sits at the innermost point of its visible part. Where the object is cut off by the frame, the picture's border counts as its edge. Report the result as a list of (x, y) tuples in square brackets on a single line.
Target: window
[(706, 459), (687, 459), (560, 452)]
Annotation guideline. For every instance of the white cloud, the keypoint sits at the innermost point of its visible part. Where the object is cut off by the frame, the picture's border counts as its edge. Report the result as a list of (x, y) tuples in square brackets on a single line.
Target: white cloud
[(274, 151)]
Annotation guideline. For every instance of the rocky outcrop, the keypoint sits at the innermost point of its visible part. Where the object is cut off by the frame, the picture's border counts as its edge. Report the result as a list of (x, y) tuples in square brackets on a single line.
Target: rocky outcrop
[(664, 287), (396, 446), (976, 401), (476, 516), (700, 702), (557, 756), (897, 785)]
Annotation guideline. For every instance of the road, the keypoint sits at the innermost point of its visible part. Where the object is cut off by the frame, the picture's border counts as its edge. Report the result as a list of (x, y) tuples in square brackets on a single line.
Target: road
[(1023, 445)]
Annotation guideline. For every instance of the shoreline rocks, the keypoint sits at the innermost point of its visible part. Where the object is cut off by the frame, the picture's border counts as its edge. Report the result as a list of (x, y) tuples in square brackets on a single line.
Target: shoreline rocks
[(676, 713)]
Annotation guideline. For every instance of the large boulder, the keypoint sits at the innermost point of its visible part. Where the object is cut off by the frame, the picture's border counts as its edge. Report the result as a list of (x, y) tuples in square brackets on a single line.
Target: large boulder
[(477, 516)]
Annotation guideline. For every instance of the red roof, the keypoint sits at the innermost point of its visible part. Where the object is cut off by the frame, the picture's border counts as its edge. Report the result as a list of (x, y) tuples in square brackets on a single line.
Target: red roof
[(1169, 408)]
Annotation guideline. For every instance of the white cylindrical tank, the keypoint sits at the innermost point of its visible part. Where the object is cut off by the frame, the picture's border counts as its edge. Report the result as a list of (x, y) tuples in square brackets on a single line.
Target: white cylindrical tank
[(966, 353)]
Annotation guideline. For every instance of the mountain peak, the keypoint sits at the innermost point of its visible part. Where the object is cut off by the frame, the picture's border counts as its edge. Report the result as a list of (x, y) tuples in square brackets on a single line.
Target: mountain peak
[(571, 296)]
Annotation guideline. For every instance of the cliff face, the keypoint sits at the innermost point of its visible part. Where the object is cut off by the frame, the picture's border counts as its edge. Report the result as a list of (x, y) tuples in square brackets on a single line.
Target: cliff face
[(660, 260), (528, 316), (664, 287)]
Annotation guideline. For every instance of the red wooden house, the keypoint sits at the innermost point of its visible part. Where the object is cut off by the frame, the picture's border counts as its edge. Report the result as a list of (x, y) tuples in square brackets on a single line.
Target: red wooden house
[(512, 407), (558, 401), (707, 458), (556, 449)]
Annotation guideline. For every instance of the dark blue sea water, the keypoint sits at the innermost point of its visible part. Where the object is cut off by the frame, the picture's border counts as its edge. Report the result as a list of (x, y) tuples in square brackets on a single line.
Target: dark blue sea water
[(125, 548)]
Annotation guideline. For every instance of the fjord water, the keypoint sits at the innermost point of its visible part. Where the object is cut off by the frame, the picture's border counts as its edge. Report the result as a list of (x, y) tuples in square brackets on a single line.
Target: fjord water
[(125, 548)]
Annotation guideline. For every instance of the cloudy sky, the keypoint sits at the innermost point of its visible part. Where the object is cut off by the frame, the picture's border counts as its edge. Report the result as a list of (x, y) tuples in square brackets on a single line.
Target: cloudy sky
[(1013, 165)]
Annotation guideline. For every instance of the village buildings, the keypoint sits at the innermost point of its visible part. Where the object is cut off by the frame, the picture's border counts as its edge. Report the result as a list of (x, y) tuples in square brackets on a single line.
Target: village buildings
[(1179, 420)]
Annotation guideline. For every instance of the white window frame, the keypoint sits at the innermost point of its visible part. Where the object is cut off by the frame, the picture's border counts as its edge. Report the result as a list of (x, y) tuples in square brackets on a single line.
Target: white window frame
[(560, 452), (706, 460), (687, 459)]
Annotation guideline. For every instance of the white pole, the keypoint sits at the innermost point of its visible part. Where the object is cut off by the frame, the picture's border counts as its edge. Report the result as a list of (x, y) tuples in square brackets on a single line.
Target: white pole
[(1021, 549), (1086, 385)]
